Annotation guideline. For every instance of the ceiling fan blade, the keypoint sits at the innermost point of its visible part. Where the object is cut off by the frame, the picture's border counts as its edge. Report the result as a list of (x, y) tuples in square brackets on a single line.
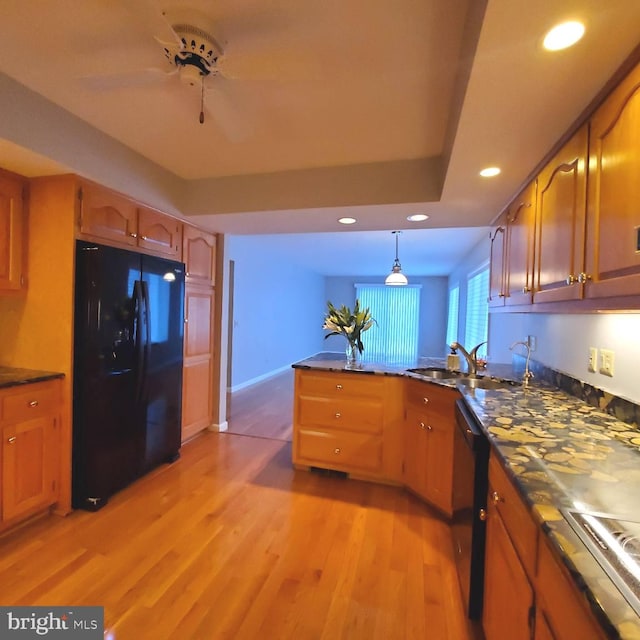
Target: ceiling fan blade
[(235, 124), (127, 79), (150, 12), (275, 66)]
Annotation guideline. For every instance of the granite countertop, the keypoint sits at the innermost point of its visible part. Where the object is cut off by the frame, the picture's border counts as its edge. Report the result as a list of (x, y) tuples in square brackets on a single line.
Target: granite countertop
[(561, 453), (11, 376)]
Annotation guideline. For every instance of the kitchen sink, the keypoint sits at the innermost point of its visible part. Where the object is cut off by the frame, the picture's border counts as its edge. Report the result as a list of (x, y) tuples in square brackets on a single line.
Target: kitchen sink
[(438, 373), (485, 383)]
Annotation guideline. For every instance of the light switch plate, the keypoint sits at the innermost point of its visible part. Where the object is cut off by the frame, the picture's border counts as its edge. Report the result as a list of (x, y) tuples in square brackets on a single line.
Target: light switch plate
[(593, 360), (606, 362)]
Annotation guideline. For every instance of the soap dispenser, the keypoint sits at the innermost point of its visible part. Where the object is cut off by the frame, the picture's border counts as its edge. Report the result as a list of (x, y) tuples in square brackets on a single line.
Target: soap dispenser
[(453, 360)]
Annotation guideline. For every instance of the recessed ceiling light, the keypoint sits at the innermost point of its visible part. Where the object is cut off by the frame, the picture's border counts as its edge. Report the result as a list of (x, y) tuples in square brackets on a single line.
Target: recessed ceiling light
[(347, 220), (417, 217), (563, 35), (489, 172)]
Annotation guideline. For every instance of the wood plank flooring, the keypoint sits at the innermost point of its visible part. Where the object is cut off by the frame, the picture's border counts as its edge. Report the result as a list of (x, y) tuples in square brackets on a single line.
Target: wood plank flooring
[(231, 543)]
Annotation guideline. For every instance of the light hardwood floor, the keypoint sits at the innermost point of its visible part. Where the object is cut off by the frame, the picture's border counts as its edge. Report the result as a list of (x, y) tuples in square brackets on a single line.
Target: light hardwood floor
[(231, 543)]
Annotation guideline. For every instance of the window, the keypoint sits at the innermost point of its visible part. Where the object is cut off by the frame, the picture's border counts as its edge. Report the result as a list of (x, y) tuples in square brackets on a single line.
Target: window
[(452, 315), (477, 321), (394, 337)]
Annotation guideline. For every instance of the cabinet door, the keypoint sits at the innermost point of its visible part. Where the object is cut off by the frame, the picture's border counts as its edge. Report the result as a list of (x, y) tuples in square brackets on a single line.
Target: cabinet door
[(508, 596), (11, 233), (199, 255), (520, 247), (159, 233), (561, 210), (497, 249), (105, 215), (613, 237), (29, 463), (416, 445), (439, 465)]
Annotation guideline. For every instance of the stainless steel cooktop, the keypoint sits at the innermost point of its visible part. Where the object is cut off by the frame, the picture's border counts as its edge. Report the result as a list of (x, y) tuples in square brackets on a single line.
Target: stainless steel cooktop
[(615, 544)]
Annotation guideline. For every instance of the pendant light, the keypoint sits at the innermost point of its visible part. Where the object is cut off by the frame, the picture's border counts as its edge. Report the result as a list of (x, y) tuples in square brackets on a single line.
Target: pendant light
[(396, 277)]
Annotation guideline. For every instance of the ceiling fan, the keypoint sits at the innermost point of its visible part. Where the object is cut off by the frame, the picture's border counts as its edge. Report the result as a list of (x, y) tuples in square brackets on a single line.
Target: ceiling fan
[(193, 55)]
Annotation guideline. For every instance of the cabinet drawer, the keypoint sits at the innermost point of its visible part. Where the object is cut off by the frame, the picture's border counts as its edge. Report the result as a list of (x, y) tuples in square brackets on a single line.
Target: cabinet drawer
[(566, 613), (432, 398), (342, 451), (32, 401), (515, 514), (350, 414), (335, 385)]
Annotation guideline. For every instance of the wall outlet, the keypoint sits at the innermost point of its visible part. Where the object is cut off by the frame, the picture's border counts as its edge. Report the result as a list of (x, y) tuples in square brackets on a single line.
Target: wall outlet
[(606, 362), (593, 360)]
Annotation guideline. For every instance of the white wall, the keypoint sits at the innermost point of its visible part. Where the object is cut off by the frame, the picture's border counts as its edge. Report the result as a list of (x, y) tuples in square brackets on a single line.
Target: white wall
[(563, 340), (277, 311)]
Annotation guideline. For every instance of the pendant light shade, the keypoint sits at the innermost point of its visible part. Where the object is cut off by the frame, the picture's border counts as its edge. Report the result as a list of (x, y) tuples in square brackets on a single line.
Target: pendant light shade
[(396, 277)]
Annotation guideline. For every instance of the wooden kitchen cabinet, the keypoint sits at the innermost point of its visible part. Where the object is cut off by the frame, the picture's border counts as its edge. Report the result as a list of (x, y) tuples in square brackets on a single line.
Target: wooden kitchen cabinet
[(510, 559), (199, 254), (12, 232), (497, 255), (30, 419), (348, 422), (561, 612), (613, 215), (519, 262), (429, 442), (159, 234), (109, 217), (560, 219)]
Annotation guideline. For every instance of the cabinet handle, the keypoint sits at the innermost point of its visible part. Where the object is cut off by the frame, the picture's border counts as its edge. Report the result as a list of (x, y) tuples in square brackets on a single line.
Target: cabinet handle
[(584, 277), (429, 427), (33, 403), (482, 514), (133, 235), (339, 387), (571, 279), (11, 440), (336, 450), (422, 425), (425, 400), (144, 238), (337, 414), (496, 497)]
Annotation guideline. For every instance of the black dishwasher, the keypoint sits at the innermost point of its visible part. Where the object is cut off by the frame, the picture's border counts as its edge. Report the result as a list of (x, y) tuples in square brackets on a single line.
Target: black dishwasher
[(470, 471)]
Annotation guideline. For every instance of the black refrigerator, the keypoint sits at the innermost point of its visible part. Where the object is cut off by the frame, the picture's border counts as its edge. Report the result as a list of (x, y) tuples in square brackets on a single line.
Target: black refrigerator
[(127, 375)]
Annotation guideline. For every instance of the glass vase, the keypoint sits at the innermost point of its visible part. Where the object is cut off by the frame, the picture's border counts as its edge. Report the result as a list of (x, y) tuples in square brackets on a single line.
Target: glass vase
[(352, 355)]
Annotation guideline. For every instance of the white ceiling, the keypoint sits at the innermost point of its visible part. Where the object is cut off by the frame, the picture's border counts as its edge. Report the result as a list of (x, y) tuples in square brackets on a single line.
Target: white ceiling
[(323, 109)]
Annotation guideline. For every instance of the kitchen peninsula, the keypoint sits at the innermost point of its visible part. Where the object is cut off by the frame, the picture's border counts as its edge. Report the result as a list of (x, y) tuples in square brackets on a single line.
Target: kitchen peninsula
[(552, 454)]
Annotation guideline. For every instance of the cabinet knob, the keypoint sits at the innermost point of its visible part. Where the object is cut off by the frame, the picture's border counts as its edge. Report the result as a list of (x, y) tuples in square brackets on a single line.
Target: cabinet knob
[(571, 279), (482, 514), (526, 289), (496, 497), (336, 450), (11, 440), (144, 237), (188, 274), (429, 427), (501, 295), (425, 400), (33, 403), (422, 425), (338, 414), (584, 277), (338, 387), (133, 235)]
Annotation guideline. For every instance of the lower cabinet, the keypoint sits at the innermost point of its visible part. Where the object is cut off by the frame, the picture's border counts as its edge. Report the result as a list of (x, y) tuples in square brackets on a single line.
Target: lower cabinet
[(429, 441), (508, 610), (30, 419), (348, 422)]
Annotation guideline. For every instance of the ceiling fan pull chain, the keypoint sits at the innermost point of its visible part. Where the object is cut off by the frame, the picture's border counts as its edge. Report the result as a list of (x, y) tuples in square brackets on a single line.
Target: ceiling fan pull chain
[(202, 103)]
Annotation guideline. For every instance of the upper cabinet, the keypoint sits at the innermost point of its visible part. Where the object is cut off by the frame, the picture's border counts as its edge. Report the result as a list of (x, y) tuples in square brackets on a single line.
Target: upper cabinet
[(613, 212), (106, 216), (12, 233), (199, 255), (520, 217), (561, 202)]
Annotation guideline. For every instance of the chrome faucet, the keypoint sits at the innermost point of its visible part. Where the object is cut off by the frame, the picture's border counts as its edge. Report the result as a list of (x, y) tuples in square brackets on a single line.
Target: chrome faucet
[(527, 375), (470, 356)]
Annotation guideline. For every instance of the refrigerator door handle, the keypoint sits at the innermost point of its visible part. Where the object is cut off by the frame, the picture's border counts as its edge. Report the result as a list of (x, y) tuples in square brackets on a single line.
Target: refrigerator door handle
[(147, 323), (139, 331)]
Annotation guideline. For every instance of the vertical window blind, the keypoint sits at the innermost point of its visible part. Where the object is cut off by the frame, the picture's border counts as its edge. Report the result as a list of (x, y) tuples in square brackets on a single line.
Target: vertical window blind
[(477, 322), (452, 315), (394, 337)]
